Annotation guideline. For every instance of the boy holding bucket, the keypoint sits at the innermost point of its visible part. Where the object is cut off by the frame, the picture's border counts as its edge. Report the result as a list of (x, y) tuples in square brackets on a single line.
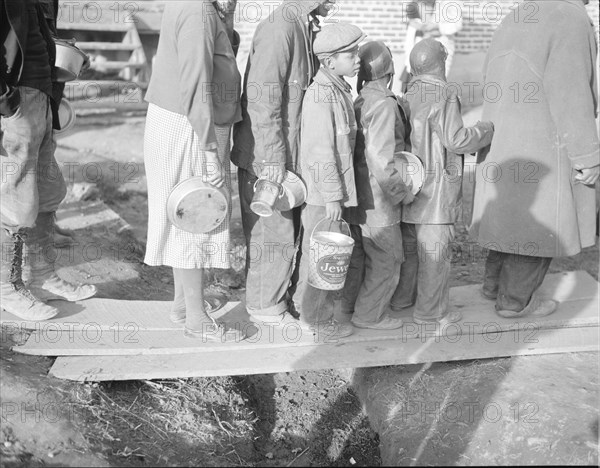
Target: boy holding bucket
[(440, 139), (327, 148), (383, 132)]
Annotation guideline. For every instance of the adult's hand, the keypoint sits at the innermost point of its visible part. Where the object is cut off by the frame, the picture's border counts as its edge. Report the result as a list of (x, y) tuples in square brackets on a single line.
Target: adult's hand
[(215, 172), (588, 176), (275, 172)]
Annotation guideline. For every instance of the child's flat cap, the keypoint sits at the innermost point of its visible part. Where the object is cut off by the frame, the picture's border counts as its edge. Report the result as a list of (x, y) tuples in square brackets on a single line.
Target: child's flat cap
[(338, 37)]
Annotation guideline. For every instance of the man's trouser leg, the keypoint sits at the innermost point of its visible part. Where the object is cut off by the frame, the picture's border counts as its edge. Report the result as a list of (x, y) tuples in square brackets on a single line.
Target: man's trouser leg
[(433, 283), (491, 276), (383, 259), (271, 250), (29, 179), (406, 291), (520, 278)]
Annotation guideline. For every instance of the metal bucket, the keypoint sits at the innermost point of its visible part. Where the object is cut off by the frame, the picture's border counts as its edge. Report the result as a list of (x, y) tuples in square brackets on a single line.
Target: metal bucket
[(329, 261)]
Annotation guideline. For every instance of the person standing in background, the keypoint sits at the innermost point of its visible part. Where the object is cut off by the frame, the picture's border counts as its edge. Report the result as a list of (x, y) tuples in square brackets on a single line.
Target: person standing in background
[(438, 19)]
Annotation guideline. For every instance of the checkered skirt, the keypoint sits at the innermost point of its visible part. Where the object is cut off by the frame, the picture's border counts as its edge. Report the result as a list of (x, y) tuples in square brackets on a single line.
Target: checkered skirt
[(172, 155)]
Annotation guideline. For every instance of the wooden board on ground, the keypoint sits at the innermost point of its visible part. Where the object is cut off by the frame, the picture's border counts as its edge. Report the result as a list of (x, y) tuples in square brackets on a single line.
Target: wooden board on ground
[(113, 314), (344, 355), (106, 315), (93, 341), (579, 308)]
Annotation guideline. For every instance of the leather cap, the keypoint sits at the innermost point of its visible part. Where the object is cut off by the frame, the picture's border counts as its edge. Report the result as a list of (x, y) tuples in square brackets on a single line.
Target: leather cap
[(376, 61), (428, 56)]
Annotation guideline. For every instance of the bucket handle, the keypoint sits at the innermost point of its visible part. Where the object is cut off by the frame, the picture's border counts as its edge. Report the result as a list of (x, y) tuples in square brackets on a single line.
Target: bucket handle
[(281, 189), (341, 221)]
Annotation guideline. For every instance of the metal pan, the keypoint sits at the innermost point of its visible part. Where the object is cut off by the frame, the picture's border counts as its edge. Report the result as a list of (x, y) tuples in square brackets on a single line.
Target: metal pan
[(69, 61), (411, 170), (196, 206)]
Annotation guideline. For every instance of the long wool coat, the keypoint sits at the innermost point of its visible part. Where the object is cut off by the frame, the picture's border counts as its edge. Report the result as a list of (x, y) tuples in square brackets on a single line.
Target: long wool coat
[(280, 68), (541, 95)]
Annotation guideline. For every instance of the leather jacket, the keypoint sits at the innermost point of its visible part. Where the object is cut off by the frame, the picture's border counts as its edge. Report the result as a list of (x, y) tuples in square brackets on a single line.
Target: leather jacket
[(440, 139), (383, 132)]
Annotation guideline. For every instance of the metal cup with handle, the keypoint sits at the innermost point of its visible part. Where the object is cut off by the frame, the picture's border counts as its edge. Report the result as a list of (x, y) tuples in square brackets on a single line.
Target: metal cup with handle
[(266, 194)]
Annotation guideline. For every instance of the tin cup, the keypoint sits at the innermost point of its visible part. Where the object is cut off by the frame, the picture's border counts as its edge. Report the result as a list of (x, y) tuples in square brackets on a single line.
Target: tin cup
[(266, 194)]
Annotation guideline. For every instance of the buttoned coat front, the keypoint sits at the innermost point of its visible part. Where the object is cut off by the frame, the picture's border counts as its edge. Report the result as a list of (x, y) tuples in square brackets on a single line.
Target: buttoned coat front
[(328, 141)]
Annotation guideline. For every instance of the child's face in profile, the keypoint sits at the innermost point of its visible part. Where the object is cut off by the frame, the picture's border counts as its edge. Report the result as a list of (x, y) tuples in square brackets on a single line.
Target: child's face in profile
[(345, 63)]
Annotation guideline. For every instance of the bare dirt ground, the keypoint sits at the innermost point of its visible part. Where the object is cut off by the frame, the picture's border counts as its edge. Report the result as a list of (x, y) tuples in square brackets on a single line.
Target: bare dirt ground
[(295, 419)]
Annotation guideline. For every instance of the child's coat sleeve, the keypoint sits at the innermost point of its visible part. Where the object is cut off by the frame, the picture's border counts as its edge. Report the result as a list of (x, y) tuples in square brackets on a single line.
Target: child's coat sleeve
[(454, 135)]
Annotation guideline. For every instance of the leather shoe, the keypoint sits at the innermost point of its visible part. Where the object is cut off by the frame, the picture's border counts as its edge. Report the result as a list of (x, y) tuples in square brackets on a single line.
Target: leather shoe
[(386, 323)]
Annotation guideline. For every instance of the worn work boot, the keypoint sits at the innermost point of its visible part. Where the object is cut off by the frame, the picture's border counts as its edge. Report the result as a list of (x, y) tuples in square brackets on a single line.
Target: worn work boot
[(14, 296), (40, 255), (537, 307)]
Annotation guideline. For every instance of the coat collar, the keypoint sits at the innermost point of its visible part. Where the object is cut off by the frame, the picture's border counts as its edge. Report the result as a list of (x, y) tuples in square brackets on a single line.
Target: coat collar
[(373, 87), (303, 7), (431, 79), (325, 78)]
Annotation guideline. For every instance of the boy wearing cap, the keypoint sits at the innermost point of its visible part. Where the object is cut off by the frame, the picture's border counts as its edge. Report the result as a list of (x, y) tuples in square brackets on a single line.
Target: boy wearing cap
[(328, 136), (440, 139), (383, 132)]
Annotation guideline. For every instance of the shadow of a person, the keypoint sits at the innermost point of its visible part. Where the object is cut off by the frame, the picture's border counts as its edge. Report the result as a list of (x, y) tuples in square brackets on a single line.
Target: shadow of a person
[(441, 413)]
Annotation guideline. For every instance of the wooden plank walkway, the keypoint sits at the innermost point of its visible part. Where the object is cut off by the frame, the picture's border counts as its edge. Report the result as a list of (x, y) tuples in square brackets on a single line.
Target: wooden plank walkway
[(130, 340), (110, 314), (119, 340), (344, 355)]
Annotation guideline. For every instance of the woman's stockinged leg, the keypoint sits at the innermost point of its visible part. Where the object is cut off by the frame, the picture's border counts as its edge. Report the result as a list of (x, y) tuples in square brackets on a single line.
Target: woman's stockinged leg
[(178, 309), (192, 284), (198, 323)]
